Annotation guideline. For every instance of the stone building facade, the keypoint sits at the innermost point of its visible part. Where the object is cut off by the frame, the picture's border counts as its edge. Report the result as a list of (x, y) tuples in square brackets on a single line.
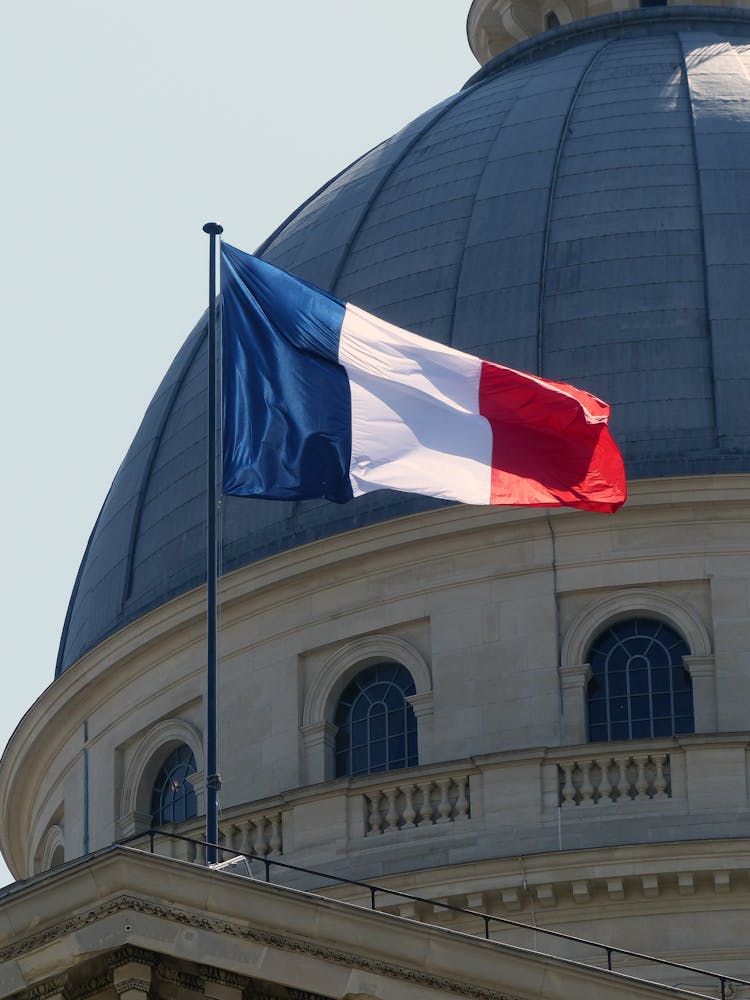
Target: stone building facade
[(536, 715)]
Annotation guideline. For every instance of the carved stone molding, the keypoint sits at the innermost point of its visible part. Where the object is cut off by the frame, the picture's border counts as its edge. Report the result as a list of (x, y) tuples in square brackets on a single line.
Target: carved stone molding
[(223, 976), (131, 953), (92, 986), (132, 980), (634, 602), (189, 981), (243, 932), (355, 655), (146, 761), (55, 986)]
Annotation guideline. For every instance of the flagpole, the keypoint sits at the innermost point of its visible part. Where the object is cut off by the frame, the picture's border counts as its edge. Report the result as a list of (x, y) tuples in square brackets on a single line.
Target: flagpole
[(211, 738)]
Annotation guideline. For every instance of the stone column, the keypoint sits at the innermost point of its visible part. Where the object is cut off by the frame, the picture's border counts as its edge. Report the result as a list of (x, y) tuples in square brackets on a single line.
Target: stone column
[(423, 709), (575, 680), (132, 980), (318, 741), (702, 670)]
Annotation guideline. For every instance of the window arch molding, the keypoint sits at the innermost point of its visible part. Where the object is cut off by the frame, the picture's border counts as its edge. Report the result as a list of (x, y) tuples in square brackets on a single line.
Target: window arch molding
[(561, 10), (152, 751), (632, 604), (318, 731), (645, 603), (50, 849)]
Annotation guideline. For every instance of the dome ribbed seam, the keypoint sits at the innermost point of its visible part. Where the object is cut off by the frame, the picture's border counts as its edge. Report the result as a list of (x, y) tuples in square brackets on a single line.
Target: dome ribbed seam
[(386, 177), (699, 189), (146, 479), (551, 198)]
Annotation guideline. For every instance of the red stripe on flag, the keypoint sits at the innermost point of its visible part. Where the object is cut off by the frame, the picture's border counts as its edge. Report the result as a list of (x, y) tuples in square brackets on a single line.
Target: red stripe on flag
[(550, 443)]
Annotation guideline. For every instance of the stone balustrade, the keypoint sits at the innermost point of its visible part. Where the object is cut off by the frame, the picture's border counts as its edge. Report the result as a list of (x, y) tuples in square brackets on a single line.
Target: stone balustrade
[(413, 804), (607, 779), (260, 834), (547, 799)]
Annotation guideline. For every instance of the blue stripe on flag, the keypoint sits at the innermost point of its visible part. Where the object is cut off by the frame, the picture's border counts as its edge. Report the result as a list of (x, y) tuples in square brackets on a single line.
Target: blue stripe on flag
[(287, 402)]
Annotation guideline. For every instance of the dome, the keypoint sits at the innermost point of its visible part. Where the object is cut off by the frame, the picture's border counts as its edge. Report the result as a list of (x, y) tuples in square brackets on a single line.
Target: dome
[(578, 210)]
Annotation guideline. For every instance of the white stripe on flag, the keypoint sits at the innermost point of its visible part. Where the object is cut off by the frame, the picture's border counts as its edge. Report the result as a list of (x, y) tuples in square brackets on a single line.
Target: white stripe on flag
[(415, 413)]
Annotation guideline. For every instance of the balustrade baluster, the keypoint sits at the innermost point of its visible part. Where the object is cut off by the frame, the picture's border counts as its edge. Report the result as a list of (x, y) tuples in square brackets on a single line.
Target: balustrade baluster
[(410, 813), (587, 788), (391, 816), (246, 843), (624, 781), (641, 782), (568, 788), (259, 841), (444, 806), (605, 788), (660, 781), (462, 802), (275, 841), (423, 804), (370, 818)]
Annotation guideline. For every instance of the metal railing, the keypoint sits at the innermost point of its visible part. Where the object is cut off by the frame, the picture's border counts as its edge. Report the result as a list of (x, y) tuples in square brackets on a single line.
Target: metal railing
[(610, 951)]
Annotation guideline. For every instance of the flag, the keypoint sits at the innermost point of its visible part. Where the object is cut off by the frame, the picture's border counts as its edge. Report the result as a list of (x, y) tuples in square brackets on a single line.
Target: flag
[(321, 399)]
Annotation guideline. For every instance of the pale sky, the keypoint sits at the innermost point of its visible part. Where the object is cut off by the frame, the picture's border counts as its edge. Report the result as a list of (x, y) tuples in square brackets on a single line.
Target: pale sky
[(125, 127)]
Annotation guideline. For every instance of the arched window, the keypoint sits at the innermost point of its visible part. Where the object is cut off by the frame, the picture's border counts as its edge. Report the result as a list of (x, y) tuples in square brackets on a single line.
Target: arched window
[(376, 726), (639, 686), (173, 798), (551, 20)]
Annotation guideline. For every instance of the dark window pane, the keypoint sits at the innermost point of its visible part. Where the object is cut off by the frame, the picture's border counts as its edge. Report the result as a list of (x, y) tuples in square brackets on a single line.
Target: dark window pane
[(597, 711), (360, 708), (683, 703), (618, 710), (662, 706), (664, 727), (638, 646), (640, 707), (172, 797), (377, 753), (396, 722), (598, 733), (660, 679), (375, 719), (639, 681), (684, 724), (360, 760), (359, 733), (637, 665), (377, 723), (618, 684)]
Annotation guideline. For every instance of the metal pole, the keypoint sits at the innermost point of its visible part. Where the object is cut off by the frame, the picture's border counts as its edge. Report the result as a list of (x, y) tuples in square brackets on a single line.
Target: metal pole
[(213, 781)]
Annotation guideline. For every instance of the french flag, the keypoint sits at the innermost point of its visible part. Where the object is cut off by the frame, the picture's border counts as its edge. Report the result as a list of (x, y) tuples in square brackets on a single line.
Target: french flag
[(321, 399)]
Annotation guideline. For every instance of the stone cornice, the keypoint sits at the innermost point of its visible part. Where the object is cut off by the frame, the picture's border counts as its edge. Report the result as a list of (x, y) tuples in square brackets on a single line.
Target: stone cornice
[(284, 942)]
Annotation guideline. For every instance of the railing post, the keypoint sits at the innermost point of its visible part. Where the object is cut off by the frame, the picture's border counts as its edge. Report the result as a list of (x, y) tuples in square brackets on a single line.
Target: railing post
[(267, 864), (723, 982), (372, 897), (151, 838), (486, 927), (609, 959)]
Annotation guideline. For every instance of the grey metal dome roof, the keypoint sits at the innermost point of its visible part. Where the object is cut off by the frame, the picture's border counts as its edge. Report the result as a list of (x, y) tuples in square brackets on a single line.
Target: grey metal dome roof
[(579, 209)]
